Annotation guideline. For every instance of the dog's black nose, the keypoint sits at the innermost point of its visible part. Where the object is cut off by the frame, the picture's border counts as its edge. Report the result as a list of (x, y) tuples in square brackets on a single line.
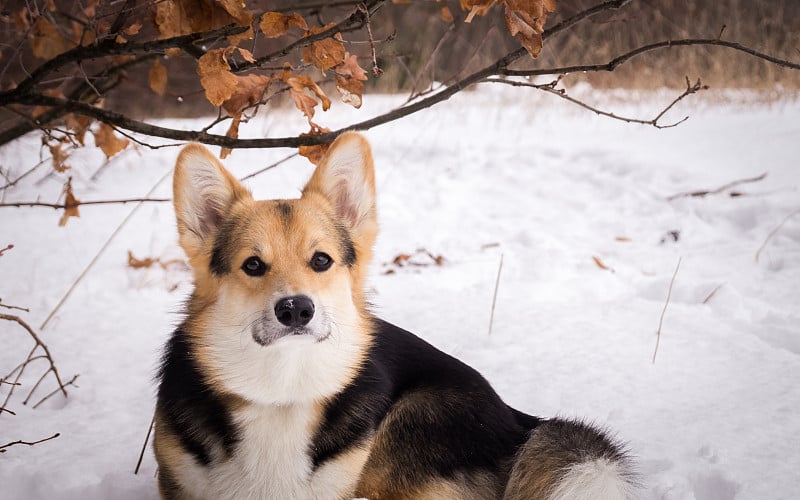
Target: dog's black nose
[(294, 311)]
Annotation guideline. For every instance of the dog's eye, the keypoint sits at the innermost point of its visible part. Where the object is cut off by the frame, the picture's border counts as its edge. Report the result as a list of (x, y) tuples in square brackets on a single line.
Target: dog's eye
[(320, 262), (254, 266)]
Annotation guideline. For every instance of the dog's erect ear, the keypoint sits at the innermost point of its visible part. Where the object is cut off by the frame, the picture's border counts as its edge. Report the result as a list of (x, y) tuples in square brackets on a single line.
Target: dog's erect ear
[(203, 192), (346, 177)]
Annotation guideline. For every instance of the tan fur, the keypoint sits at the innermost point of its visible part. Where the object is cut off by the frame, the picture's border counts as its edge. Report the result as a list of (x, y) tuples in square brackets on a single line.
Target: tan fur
[(466, 487), (376, 485), (539, 469), (170, 456), (345, 469)]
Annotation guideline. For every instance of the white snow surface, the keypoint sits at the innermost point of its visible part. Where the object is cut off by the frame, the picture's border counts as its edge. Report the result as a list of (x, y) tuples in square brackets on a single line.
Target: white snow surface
[(489, 173)]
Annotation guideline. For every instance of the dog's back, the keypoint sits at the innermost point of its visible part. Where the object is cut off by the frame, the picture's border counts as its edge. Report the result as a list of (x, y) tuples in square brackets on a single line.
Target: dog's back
[(280, 384)]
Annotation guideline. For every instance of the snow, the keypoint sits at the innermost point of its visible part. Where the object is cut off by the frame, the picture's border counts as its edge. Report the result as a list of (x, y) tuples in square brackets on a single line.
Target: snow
[(491, 173)]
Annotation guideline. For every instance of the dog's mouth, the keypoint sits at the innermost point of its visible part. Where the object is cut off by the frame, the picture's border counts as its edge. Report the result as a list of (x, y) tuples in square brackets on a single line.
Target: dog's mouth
[(267, 336)]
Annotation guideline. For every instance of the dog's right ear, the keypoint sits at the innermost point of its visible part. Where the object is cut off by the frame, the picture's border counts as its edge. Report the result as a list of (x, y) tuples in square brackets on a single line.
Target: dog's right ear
[(203, 193)]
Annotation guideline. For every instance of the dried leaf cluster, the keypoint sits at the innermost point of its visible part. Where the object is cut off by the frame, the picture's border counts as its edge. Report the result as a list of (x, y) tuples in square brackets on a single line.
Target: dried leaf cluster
[(231, 76), (525, 19), (421, 257)]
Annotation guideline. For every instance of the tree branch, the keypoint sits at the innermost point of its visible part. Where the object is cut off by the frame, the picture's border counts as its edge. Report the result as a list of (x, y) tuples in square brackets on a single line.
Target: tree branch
[(39, 343), (774, 232), (356, 20), (663, 311), (110, 47), (550, 88), (23, 94), (61, 206), (704, 192), (108, 79), (29, 443), (621, 59)]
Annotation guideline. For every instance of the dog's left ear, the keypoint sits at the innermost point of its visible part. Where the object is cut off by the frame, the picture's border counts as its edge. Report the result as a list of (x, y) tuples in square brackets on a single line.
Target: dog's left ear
[(346, 177), (203, 193)]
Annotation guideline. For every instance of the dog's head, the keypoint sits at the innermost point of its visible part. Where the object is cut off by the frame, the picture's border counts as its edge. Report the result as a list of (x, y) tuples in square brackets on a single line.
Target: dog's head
[(278, 313)]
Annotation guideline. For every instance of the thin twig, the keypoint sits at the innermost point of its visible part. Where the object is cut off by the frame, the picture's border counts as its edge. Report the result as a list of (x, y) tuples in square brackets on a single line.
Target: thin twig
[(144, 445), (14, 307), (625, 57), (4, 250), (775, 231), (100, 252), (25, 363), (22, 176), (494, 297), (663, 311), (718, 190), (711, 294), (268, 167), (376, 71), (551, 89), (59, 206), (29, 443), (39, 343), (413, 94), (70, 382), (356, 20), (35, 386), (20, 370)]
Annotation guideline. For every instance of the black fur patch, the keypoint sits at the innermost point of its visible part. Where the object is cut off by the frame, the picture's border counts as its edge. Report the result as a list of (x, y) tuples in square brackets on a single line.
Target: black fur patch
[(348, 249), (435, 416), (285, 212), (194, 412), (224, 246)]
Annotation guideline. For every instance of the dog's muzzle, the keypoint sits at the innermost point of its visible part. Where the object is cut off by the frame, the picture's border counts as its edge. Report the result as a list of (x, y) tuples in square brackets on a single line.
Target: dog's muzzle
[(293, 315)]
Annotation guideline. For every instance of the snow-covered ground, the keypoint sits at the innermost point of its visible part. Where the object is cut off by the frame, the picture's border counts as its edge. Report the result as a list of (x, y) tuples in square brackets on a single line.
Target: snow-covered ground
[(489, 174)]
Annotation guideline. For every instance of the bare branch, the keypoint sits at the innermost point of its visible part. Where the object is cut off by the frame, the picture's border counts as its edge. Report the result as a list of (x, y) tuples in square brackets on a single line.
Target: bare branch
[(663, 311), (27, 172), (494, 296), (775, 231), (110, 47), (355, 21), (621, 59), (39, 343), (122, 201), (376, 71), (720, 189), (29, 443), (104, 82), (712, 293), (70, 382), (551, 89), (25, 309), (268, 167), (60, 206), (123, 121), (144, 445)]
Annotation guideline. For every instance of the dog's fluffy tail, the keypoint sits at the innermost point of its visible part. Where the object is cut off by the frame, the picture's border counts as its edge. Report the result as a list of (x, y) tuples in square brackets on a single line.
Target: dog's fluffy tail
[(571, 460)]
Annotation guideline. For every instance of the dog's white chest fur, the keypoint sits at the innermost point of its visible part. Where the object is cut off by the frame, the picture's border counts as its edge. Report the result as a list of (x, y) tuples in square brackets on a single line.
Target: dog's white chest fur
[(271, 459)]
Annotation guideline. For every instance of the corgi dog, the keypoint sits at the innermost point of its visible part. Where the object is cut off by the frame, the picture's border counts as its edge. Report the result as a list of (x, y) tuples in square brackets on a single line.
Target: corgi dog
[(280, 383)]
